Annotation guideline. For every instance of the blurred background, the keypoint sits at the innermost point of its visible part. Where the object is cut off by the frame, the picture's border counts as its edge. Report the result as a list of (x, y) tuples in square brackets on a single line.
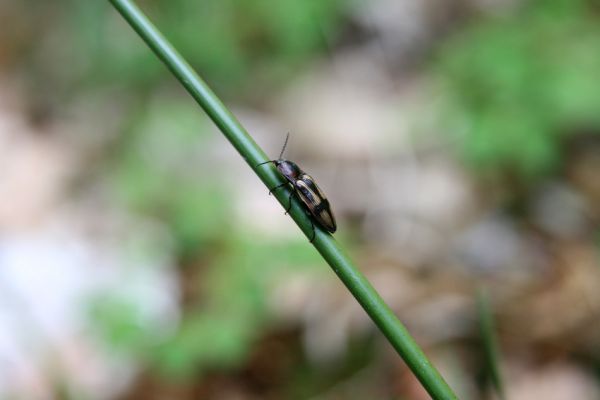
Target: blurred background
[(457, 141)]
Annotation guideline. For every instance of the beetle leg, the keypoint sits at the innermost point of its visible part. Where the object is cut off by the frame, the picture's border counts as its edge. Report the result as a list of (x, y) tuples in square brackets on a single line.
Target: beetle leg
[(287, 210), (277, 187), (312, 224), (266, 162)]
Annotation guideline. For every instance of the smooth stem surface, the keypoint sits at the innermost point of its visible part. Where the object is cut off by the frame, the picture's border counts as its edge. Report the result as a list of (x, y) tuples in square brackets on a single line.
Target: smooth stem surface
[(489, 340), (358, 285)]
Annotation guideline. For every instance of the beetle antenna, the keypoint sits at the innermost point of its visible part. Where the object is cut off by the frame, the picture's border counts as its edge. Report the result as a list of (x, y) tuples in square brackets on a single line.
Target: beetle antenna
[(284, 145)]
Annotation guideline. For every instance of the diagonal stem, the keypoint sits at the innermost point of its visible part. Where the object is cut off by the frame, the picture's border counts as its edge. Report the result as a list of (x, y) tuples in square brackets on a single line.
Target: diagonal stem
[(331, 251)]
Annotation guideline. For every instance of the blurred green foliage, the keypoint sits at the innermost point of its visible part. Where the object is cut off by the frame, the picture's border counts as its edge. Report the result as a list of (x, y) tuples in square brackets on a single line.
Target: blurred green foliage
[(490, 371), (220, 328), (116, 320), (236, 45), (235, 309), (242, 43), (161, 168), (519, 83)]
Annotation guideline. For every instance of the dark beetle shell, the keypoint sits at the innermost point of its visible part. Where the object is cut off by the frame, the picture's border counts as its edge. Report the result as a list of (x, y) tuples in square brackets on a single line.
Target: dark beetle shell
[(308, 191), (315, 201)]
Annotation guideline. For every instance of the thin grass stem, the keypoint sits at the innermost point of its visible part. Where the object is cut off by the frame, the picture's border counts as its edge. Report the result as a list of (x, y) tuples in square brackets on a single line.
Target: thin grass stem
[(489, 341), (331, 251)]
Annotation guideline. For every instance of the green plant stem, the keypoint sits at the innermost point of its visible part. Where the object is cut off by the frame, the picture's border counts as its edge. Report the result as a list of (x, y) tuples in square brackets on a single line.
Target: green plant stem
[(489, 340), (358, 285)]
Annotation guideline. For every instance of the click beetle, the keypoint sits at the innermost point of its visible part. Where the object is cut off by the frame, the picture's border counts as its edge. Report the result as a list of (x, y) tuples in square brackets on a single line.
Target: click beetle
[(306, 189)]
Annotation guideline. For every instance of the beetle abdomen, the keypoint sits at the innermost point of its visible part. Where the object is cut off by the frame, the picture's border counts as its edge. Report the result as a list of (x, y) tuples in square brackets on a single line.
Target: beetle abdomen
[(315, 200)]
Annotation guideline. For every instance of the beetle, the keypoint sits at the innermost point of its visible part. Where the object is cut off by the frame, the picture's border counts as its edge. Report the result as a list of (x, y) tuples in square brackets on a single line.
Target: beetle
[(306, 189)]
